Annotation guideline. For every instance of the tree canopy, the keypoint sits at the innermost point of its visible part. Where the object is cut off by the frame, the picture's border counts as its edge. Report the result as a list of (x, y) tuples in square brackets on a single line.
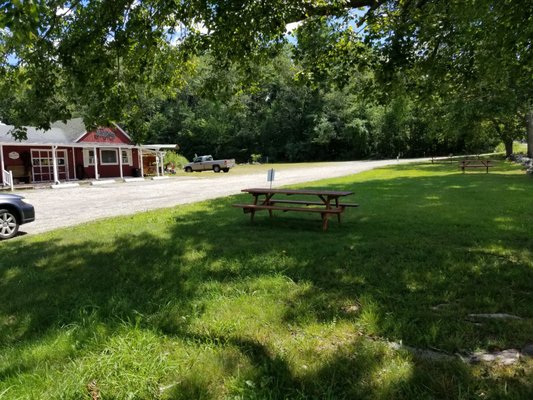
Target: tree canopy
[(105, 59)]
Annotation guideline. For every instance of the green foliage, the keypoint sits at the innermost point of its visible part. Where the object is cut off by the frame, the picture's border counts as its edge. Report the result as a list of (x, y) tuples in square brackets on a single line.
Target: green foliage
[(466, 65), (176, 159), (255, 158), (331, 52), (162, 305), (518, 148), (468, 57), (280, 116)]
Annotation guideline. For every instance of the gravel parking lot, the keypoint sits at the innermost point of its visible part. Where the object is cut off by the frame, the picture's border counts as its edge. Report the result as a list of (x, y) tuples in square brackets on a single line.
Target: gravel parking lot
[(59, 208)]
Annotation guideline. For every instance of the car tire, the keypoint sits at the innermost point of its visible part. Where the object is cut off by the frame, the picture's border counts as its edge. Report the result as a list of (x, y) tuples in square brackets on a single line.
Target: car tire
[(216, 168), (188, 169), (9, 226), (226, 170)]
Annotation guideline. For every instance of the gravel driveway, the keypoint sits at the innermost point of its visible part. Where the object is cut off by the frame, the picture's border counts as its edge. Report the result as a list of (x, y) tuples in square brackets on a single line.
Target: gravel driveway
[(71, 206)]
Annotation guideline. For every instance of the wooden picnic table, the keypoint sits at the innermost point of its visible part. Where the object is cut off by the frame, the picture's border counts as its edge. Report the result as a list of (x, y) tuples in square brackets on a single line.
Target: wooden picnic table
[(325, 202), (479, 163)]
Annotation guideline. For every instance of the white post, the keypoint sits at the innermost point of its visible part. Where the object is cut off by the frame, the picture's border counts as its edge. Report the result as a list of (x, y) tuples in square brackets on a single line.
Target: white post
[(74, 162), (163, 163), (7, 179), (157, 162), (140, 156), (120, 162), (54, 164), (7, 176), (10, 174), (2, 166), (96, 164)]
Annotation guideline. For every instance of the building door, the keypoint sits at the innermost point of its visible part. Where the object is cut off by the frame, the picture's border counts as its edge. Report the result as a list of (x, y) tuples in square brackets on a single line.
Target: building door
[(42, 163)]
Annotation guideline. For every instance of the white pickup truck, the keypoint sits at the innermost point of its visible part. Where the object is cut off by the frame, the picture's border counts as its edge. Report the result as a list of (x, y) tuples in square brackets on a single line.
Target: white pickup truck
[(206, 163)]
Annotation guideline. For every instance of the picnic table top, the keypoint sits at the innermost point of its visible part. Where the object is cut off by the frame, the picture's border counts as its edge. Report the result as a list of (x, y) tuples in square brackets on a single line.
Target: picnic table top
[(475, 160), (317, 192)]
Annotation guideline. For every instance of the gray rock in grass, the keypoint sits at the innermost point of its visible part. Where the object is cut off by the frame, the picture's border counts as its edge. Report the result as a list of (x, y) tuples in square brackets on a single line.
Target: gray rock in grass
[(494, 316), (504, 357)]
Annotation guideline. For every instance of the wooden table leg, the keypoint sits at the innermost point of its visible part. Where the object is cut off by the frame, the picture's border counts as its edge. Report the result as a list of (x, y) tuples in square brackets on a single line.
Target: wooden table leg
[(337, 205), (324, 222), (327, 202), (252, 211), (267, 202)]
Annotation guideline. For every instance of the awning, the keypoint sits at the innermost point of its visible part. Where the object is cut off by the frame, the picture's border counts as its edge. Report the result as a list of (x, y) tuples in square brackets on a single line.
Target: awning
[(159, 147)]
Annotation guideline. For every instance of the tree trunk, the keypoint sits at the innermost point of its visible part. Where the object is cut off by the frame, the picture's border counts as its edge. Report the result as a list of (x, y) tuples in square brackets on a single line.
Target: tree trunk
[(529, 127), (506, 138), (508, 147)]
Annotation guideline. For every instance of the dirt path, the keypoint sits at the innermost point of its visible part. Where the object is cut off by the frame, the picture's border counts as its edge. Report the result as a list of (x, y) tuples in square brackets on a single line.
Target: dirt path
[(71, 206)]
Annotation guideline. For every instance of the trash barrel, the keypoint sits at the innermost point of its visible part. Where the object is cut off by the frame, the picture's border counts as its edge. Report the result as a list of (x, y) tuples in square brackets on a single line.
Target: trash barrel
[(136, 172)]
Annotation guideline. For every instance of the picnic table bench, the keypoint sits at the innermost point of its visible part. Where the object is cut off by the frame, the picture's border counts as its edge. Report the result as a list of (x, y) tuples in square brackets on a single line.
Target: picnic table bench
[(464, 164), (328, 203)]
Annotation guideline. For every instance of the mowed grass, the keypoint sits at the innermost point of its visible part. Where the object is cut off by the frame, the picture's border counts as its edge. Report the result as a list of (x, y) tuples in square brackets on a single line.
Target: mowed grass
[(195, 302)]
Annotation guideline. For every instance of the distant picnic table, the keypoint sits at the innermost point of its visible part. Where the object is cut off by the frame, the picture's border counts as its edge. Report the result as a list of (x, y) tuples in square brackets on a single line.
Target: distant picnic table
[(476, 163), (324, 202)]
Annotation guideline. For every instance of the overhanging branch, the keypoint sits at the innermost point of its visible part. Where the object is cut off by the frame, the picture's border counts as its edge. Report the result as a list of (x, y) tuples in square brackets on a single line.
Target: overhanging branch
[(326, 10)]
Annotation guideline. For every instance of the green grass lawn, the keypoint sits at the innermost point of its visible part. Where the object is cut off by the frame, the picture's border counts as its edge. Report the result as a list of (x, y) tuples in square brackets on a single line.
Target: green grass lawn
[(195, 302)]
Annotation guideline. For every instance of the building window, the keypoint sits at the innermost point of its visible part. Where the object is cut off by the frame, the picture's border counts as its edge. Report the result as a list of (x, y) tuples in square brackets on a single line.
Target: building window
[(108, 157), (88, 157), (126, 157)]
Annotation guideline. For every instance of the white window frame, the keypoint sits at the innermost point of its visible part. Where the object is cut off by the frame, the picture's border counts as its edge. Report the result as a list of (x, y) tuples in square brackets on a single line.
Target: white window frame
[(88, 159), (42, 164), (129, 159), (108, 163)]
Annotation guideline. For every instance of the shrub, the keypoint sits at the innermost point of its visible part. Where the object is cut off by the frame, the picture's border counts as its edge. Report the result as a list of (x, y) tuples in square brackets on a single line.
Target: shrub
[(178, 160)]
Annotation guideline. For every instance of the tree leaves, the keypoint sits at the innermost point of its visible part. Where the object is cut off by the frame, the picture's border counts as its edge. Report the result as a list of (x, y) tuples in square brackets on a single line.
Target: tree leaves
[(105, 58)]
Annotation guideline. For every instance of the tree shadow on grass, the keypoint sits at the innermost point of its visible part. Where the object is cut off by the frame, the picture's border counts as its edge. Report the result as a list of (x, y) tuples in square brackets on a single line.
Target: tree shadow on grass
[(420, 243), (358, 369), (344, 376), (412, 261)]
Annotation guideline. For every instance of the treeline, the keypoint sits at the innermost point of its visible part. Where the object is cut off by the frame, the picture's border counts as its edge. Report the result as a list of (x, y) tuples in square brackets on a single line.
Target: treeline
[(273, 111), (393, 78)]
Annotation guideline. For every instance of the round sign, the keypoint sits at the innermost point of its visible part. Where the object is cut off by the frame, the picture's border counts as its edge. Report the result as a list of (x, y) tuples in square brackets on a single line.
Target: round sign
[(14, 155)]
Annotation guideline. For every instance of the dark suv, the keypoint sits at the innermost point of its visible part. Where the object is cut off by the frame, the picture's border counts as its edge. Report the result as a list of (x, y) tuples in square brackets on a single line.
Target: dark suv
[(13, 213)]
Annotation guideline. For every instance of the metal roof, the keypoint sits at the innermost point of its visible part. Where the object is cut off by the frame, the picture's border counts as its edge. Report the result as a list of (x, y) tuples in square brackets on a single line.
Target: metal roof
[(35, 136), (60, 134), (67, 135)]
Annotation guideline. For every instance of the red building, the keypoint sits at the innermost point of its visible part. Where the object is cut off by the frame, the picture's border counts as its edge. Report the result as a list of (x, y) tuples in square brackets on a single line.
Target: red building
[(69, 152)]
